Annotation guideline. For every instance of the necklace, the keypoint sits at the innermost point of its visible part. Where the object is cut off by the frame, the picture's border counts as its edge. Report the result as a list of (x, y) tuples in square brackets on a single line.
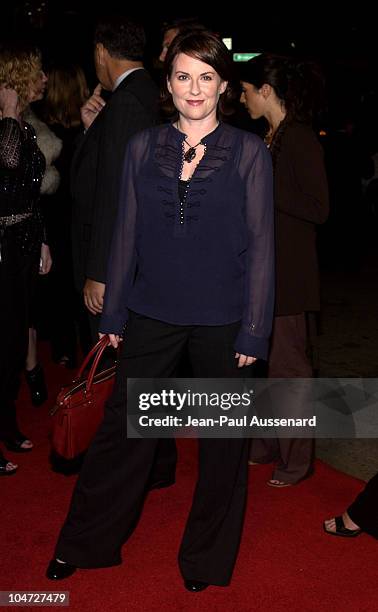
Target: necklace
[(191, 152)]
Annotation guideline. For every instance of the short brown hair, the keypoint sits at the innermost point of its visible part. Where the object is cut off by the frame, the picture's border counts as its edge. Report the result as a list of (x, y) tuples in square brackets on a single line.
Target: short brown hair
[(122, 37), (208, 48)]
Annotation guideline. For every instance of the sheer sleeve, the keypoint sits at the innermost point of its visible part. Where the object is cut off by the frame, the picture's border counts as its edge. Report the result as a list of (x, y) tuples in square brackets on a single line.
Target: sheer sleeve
[(122, 260), (253, 337), (10, 143)]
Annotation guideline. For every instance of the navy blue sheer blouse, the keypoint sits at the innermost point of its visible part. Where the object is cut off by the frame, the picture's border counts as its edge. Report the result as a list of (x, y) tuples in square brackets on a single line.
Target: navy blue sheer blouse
[(206, 259)]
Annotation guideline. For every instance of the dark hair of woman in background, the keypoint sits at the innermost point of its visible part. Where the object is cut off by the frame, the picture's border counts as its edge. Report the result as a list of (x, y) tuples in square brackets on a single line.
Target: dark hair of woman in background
[(67, 90)]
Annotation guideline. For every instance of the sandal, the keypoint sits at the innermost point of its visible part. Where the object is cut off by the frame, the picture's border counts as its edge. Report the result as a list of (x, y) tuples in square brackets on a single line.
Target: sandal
[(279, 484), (14, 443), (4, 464), (341, 530)]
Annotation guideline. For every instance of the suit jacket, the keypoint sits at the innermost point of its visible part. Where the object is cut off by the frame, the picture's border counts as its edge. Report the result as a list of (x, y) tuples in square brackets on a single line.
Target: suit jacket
[(97, 168), (301, 203)]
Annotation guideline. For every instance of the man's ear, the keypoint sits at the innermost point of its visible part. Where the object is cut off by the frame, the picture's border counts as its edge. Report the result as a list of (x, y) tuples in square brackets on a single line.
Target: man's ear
[(266, 90), (169, 86), (100, 52)]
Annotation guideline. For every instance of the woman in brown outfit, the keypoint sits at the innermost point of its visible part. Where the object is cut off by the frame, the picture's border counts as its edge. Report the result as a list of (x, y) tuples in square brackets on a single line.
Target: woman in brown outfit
[(286, 93)]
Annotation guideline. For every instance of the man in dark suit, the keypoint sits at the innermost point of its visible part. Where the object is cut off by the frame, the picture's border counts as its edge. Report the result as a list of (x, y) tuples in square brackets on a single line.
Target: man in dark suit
[(97, 168), (97, 164)]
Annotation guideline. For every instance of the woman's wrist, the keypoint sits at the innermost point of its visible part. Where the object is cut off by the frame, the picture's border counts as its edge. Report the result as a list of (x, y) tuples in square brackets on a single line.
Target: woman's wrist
[(10, 113)]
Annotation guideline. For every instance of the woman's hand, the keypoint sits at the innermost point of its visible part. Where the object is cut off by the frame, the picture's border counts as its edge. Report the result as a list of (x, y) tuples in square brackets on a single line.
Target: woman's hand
[(9, 102), (114, 339), (244, 360), (46, 260)]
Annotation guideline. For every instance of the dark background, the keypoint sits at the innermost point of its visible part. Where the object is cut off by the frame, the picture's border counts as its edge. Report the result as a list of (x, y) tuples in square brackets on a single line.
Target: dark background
[(344, 45)]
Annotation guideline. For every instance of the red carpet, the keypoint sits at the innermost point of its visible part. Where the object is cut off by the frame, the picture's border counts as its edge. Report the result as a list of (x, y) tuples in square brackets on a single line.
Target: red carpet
[(286, 562)]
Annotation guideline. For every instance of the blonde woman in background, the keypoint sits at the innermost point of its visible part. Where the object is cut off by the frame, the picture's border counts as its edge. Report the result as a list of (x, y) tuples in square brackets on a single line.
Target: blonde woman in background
[(23, 252)]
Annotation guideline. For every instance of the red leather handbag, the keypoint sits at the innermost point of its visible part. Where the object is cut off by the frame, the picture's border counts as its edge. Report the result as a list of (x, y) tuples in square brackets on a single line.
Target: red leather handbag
[(79, 407)]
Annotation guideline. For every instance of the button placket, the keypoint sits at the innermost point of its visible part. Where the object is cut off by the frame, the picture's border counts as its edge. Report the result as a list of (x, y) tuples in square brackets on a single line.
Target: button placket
[(183, 200)]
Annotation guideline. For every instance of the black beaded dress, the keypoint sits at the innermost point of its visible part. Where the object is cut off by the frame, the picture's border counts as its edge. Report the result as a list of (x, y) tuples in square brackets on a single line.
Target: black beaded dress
[(21, 232)]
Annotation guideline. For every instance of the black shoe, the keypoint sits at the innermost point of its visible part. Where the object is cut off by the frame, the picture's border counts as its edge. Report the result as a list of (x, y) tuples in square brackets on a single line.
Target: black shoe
[(341, 530), (160, 484), (195, 585), (59, 571), (37, 386), (14, 442)]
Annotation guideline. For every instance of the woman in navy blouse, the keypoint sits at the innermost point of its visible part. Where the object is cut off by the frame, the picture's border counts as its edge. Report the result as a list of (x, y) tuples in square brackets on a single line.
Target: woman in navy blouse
[(191, 267)]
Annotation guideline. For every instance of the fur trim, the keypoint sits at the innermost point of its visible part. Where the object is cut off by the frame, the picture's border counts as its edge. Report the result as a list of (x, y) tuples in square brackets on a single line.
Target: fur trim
[(51, 146)]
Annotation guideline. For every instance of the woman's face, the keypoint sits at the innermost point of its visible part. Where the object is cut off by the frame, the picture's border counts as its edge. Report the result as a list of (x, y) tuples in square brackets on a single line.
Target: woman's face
[(195, 87), (253, 100), (37, 87)]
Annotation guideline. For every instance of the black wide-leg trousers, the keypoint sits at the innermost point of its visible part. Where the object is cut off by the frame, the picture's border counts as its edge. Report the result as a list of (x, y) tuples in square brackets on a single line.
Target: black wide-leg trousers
[(364, 510), (18, 274), (110, 491)]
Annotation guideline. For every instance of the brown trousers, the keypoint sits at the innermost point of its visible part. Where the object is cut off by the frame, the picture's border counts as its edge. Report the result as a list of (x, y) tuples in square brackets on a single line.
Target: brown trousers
[(287, 359)]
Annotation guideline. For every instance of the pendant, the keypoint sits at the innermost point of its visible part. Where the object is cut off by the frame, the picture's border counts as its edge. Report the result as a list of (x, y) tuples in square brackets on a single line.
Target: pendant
[(190, 154)]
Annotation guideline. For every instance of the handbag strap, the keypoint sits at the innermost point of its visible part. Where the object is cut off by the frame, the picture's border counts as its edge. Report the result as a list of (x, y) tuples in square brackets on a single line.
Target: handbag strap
[(96, 352), (101, 344)]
